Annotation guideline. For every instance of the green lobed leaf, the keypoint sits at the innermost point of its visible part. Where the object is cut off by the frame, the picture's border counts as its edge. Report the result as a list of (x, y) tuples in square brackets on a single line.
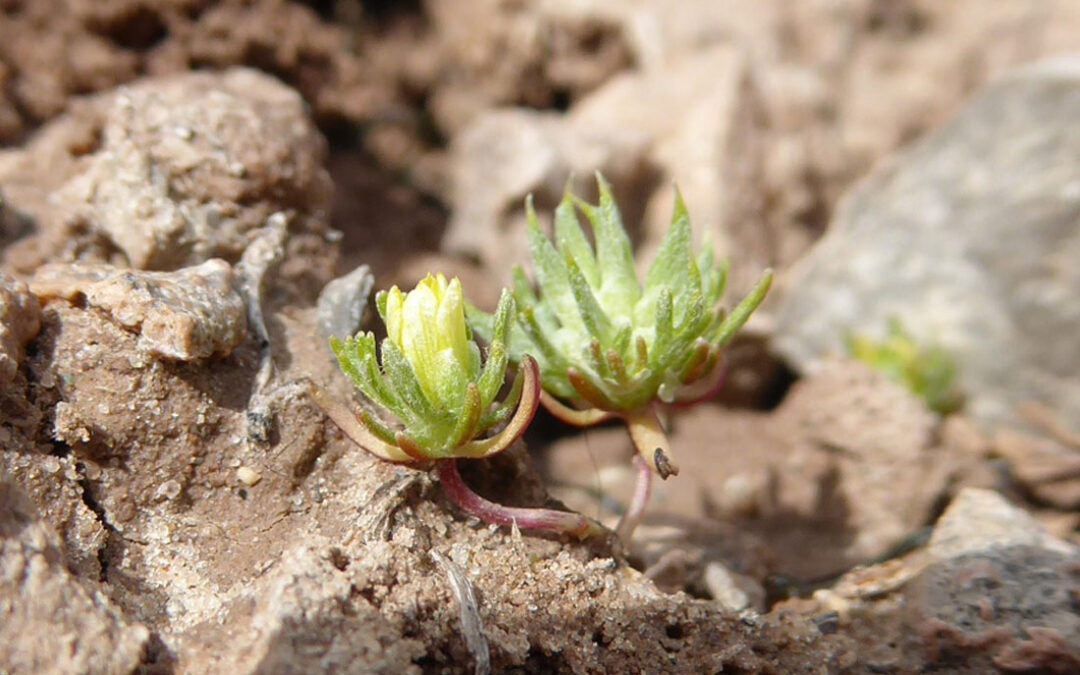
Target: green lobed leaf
[(571, 242), (619, 286), (356, 355), (403, 380), (592, 315), (727, 328), (501, 412), (451, 379), (524, 296), (465, 426), (674, 266), (665, 331), (494, 373), (552, 275)]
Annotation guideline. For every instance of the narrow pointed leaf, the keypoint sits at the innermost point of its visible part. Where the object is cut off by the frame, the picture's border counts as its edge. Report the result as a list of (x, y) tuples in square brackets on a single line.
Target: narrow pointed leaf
[(413, 449), (482, 323), (696, 318), (553, 276), (340, 415), (380, 304), (665, 331), (499, 413), (695, 365), (734, 321), (675, 267), (619, 287), (571, 241), (530, 399), (592, 315), (494, 374), (375, 426), (465, 429), (356, 355), (523, 290), (588, 390), (539, 338), (617, 366), (597, 362)]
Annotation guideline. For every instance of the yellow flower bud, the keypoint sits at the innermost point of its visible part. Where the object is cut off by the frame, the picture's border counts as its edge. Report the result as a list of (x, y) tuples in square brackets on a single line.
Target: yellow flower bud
[(428, 325)]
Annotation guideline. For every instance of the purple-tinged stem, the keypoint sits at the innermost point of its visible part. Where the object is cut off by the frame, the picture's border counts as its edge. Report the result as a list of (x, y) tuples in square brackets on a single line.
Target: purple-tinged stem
[(636, 509), (531, 519)]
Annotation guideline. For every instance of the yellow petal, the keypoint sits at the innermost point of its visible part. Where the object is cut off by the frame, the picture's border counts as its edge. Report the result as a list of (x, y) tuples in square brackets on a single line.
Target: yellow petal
[(419, 336), (394, 319), (452, 332)]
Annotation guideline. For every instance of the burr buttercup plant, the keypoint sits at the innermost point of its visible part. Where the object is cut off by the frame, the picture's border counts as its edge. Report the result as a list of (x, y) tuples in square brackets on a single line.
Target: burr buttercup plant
[(611, 346), (434, 395)]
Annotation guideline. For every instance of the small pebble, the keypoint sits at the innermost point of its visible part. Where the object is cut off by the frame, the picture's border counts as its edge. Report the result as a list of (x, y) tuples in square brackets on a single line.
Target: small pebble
[(248, 476)]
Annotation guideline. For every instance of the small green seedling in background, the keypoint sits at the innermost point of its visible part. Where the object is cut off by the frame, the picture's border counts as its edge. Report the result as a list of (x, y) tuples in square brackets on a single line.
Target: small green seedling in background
[(609, 346), (434, 395), (927, 371)]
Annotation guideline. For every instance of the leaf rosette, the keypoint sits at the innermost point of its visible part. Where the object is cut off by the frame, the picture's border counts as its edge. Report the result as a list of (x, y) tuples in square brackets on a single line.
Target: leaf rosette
[(433, 394), (609, 345)]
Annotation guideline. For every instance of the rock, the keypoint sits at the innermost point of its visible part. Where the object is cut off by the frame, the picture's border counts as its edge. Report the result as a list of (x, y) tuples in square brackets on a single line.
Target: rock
[(505, 155), (493, 54), (991, 591), (49, 620), (189, 166), (969, 238), (20, 319), (1000, 588), (977, 520), (170, 172), (701, 138), (53, 485), (131, 421), (343, 303), (733, 591), (1048, 467), (862, 451), (187, 315), (91, 46), (298, 624)]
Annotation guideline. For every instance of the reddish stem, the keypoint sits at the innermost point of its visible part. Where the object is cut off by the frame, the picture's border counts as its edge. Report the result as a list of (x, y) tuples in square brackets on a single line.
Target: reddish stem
[(636, 509), (532, 519)]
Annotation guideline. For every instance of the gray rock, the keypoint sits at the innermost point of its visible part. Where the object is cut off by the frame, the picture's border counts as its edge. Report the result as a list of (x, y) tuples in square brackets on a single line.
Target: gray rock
[(998, 590), (343, 302), (49, 621), (979, 519), (190, 314), (179, 169), (969, 238), (1011, 606)]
